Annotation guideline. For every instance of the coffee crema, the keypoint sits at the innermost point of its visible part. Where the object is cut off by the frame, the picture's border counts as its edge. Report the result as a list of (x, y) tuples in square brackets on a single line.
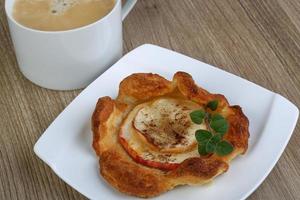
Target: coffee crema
[(60, 15)]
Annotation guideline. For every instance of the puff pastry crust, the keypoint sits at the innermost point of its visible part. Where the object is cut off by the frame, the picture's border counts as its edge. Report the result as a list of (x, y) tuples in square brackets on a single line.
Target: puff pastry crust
[(133, 178)]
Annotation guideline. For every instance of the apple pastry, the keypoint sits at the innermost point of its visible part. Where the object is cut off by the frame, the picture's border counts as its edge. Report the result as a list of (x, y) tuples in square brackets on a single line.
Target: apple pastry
[(158, 134)]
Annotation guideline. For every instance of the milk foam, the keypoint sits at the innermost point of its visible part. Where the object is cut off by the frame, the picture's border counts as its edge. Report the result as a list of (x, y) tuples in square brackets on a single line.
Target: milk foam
[(60, 6)]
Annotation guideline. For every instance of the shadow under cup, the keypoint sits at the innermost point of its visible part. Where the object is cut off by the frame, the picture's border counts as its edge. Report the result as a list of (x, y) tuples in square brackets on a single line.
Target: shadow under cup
[(66, 60)]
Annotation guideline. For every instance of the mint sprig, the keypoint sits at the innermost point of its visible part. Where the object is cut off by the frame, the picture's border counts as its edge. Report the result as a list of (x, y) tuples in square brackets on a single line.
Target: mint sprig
[(211, 141), (223, 148), (213, 105), (202, 136), (219, 124), (197, 116)]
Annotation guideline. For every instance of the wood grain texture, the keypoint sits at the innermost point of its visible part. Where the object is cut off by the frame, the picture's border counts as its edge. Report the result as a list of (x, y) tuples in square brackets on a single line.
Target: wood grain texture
[(256, 39)]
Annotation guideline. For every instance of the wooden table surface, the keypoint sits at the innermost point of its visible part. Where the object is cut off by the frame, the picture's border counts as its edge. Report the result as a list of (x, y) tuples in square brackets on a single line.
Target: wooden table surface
[(256, 39)]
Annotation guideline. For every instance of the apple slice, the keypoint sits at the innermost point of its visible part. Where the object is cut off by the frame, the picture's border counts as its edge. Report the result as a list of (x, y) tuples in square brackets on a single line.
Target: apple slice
[(160, 133)]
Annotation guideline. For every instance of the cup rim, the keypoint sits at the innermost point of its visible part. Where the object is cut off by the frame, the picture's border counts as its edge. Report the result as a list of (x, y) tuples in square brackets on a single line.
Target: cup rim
[(9, 15)]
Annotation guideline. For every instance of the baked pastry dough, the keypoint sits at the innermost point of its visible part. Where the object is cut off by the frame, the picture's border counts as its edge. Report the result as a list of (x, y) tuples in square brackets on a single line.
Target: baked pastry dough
[(121, 135)]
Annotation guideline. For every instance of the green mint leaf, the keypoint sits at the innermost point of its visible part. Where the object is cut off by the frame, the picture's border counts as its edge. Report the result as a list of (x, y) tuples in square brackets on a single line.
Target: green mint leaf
[(212, 143), (219, 124), (202, 149), (197, 116), (224, 148), (213, 105), (202, 136)]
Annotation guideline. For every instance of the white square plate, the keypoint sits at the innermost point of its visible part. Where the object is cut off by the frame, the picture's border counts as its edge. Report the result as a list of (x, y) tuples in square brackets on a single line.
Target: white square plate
[(66, 145)]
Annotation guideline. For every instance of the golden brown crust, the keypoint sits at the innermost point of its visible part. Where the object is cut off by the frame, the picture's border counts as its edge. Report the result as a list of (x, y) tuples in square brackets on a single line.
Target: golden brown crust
[(143, 86), (199, 167), (194, 169), (188, 88), (238, 133), (130, 177), (104, 108)]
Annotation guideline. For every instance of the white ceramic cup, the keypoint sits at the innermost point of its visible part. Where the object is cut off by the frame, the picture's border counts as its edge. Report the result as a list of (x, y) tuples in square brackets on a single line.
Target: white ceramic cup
[(65, 60)]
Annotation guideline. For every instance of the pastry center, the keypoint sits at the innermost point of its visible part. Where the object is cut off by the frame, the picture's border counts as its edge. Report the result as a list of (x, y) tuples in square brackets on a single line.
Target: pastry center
[(166, 123)]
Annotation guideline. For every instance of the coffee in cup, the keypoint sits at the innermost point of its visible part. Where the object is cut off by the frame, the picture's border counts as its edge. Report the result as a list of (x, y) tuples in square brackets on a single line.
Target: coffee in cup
[(60, 15)]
